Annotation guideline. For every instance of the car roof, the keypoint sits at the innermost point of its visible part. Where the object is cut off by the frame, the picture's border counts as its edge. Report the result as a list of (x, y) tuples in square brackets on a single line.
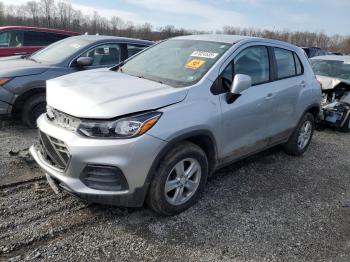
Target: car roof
[(40, 29), (232, 39), (344, 58), (228, 39), (103, 38), (311, 47)]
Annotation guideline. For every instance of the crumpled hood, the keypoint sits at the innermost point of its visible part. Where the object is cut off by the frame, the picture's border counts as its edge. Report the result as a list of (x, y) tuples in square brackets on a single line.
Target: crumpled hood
[(104, 94), (20, 67), (329, 83)]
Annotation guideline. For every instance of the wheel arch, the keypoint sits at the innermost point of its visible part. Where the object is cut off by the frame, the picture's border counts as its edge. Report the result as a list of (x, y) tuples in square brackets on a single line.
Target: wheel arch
[(314, 109), (36, 88), (202, 138)]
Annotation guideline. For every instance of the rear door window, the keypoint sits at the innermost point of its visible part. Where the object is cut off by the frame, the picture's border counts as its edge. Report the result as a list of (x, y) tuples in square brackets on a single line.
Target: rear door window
[(285, 63), (253, 61), (52, 37), (32, 38)]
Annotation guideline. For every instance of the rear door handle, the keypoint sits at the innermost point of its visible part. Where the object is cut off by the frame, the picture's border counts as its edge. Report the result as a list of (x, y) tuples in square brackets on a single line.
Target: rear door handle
[(22, 53), (303, 84)]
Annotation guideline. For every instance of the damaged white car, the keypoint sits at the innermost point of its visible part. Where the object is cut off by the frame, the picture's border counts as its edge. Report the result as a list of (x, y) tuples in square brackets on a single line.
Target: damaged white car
[(333, 72)]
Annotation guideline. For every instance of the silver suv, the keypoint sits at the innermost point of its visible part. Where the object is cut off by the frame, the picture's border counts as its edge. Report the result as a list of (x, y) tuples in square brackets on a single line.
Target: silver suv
[(154, 128)]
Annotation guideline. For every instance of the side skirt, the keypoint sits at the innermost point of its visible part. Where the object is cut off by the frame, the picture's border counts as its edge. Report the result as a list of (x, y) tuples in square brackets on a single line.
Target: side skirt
[(260, 146)]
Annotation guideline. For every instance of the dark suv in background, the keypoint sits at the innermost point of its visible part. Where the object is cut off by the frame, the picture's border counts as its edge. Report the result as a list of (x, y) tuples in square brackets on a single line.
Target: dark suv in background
[(314, 51), (23, 79), (20, 40)]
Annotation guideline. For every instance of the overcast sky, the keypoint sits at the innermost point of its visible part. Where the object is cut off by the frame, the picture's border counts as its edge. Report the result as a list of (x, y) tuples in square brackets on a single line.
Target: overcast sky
[(330, 16)]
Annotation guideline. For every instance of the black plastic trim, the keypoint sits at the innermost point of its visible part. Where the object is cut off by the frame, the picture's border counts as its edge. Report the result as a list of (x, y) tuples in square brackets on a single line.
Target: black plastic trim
[(99, 181), (171, 144)]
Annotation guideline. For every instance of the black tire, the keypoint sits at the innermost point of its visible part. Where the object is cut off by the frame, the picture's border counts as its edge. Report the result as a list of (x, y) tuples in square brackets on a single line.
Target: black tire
[(346, 127), (292, 147), (32, 109), (156, 198)]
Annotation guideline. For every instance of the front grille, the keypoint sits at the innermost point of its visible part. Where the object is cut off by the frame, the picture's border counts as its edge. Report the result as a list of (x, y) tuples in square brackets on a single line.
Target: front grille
[(54, 151)]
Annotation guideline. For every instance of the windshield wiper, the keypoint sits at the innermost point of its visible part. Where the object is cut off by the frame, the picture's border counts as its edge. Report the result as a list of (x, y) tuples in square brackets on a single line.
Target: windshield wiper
[(141, 76), (32, 59), (118, 67)]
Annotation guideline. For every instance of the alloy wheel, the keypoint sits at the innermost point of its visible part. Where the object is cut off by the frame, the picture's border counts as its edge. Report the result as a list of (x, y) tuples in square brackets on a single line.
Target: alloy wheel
[(183, 181)]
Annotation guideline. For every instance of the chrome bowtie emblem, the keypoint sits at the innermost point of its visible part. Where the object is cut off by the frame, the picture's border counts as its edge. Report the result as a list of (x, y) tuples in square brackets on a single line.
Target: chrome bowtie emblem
[(50, 114)]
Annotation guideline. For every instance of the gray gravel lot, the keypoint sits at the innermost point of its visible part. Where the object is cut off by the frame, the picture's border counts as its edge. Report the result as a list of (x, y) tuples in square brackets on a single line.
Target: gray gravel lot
[(270, 207)]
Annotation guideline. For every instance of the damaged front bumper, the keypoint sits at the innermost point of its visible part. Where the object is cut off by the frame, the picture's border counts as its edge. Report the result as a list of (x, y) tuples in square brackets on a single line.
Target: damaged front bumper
[(336, 114), (105, 171), (335, 104)]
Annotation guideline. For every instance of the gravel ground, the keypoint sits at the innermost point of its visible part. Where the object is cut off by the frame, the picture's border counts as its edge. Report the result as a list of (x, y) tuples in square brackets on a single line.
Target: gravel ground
[(270, 207)]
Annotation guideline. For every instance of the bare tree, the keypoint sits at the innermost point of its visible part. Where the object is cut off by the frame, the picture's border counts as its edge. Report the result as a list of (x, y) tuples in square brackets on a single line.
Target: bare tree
[(33, 10), (117, 24), (2, 13), (48, 7), (61, 14)]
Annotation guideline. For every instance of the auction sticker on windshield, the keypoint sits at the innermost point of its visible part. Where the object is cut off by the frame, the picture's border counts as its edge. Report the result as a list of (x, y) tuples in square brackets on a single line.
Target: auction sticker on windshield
[(195, 64), (204, 54)]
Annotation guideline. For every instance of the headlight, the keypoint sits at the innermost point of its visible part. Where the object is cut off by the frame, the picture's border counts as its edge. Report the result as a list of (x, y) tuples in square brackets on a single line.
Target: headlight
[(121, 128), (4, 81)]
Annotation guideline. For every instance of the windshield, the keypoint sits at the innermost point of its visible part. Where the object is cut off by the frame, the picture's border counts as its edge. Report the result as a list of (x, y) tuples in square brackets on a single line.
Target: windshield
[(331, 68), (177, 63), (59, 51)]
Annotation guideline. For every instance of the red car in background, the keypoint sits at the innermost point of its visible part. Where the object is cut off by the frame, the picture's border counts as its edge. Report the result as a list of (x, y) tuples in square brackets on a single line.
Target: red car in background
[(22, 40)]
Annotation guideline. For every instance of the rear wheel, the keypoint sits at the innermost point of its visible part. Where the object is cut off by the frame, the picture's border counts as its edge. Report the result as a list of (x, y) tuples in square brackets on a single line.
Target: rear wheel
[(32, 109), (300, 140), (179, 180)]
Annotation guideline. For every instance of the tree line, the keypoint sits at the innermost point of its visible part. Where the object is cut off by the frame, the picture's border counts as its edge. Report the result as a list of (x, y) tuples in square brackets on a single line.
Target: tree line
[(61, 15)]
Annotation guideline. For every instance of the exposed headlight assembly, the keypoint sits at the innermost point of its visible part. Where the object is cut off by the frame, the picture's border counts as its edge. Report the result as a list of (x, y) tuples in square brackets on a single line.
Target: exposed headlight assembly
[(121, 128)]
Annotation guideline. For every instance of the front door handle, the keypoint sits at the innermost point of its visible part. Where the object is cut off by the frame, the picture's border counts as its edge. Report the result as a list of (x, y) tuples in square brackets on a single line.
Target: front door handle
[(303, 84), (268, 96), (22, 53)]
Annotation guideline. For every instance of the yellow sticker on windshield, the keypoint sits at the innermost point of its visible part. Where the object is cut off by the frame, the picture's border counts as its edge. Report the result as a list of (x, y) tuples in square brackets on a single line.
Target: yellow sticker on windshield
[(195, 64)]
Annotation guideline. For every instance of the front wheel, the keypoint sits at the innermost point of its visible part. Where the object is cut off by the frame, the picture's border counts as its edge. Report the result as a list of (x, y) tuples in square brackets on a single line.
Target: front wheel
[(300, 140), (32, 109), (179, 180)]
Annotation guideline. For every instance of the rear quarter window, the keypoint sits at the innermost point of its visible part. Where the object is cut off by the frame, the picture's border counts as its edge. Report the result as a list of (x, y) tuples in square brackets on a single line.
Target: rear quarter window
[(298, 65)]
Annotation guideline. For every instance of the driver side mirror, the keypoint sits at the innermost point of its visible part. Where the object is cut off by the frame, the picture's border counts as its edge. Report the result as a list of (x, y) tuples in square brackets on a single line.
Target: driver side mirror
[(85, 61), (240, 83)]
